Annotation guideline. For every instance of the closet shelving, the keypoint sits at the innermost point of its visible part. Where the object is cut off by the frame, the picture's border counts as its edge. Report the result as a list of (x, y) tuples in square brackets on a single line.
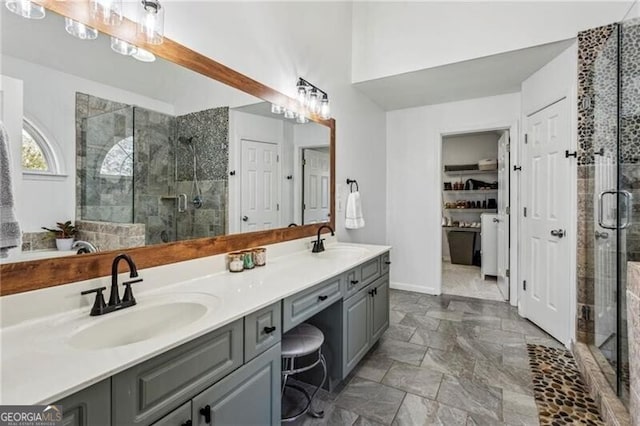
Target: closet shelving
[(473, 195)]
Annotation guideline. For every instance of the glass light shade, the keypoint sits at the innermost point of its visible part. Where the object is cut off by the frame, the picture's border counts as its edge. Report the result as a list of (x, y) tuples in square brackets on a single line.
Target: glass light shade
[(314, 102), (289, 114), (122, 47), (108, 12), (301, 118), (26, 9), (325, 111), (277, 109), (151, 21), (144, 55), (80, 30), (302, 95)]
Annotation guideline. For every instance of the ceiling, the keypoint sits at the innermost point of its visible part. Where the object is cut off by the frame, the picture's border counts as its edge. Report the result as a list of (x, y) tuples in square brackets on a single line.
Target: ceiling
[(487, 76)]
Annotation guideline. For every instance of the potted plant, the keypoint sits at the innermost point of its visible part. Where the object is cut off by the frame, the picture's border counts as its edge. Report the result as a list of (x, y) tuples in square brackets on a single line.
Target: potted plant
[(64, 233)]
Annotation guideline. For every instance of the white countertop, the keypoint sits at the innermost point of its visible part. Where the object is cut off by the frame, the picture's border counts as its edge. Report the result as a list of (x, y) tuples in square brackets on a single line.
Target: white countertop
[(39, 366)]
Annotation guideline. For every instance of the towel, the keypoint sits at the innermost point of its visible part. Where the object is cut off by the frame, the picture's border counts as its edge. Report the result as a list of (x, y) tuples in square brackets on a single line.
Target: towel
[(9, 227), (354, 218)]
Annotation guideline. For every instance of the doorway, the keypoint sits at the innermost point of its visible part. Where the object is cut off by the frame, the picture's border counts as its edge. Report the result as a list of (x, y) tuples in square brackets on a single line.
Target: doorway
[(475, 215)]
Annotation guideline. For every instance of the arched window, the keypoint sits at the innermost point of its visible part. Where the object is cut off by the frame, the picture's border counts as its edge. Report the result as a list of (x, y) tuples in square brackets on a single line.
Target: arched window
[(119, 159), (37, 153)]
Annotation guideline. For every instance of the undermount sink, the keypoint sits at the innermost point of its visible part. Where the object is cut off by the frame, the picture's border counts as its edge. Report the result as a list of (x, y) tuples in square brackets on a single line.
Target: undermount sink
[(343, 252), (138, 323)]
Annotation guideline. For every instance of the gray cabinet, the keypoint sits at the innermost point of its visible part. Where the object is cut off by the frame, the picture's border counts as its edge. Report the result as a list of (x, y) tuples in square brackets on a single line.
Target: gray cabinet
[(248, 396), (89, 407), (307, 303), (370, 271), (262, 329), (353, 283), (355, 333), (385, 262), (181, 416), (148, 391), (379, 307)]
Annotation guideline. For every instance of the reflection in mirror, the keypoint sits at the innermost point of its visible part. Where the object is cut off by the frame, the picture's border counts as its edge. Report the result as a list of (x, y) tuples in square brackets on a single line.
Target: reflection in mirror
[(147, 153)]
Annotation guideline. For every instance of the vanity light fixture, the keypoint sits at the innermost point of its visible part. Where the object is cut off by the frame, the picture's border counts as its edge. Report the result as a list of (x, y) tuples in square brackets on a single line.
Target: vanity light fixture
[(80, 30), (144, 56), (122, 47), (309, 97), (289, 114), (26, 9), (151, 21), (277, 109), (301, 118), (109, 12)]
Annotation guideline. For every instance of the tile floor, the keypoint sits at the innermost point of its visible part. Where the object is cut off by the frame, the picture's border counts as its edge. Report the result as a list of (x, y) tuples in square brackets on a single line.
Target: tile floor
[(445, 360), (464, 280)]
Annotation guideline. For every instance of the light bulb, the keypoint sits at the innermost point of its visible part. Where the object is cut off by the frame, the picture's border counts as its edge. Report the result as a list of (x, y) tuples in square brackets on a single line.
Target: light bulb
[(314, 104), (277, 109), (302, 95), (325, 111), (80, 30), (109, 12), (151, 21), (26, 9), (122, 47), (144, 55)]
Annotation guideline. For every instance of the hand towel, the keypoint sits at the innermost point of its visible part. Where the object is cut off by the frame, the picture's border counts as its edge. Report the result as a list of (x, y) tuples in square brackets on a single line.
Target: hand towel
[(354, 218), (9, 228)]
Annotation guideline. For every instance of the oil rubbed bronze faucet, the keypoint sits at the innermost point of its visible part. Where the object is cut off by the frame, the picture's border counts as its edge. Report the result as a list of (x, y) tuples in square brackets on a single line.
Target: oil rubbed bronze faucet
[(318, 245), (115, 303)]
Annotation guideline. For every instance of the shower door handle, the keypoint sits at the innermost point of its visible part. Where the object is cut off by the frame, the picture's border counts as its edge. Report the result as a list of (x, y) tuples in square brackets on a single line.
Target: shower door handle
[(601, 208), (182, 203), (629, 209)]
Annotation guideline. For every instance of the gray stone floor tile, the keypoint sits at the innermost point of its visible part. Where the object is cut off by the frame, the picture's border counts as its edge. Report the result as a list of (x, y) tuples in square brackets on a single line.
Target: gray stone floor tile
[(420, 321), (417, 411), (400, 332), (479, 349), (498, 336), (519, 409), (505, 377), (399, 296), (445, 314), (433, 339), (473, 397), (395, 316), (373, 367), (372, 400), (482, 320), (454, 362), (545, 341), (409, 307), (416, 380), (400, 351), (363, 421)]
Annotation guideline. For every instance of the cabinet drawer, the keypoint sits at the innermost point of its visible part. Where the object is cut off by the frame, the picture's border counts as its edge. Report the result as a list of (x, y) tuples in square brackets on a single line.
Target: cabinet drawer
[(353, 282), (178, 417), (150, 390), (88, 407), (304, 305), (262, 329), (385, 262), (370, 271)]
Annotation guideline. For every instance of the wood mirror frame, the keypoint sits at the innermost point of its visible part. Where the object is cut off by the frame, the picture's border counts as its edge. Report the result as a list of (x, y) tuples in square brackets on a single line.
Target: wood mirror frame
[(32, 275)]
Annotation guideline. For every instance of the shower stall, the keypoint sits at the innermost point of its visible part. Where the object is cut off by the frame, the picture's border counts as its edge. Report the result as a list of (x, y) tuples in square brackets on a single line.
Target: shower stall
[(168, 173), (612, 162)]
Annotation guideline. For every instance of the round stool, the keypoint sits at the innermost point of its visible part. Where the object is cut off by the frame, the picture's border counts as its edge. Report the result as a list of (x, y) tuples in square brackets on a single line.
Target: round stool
[(302, 341)]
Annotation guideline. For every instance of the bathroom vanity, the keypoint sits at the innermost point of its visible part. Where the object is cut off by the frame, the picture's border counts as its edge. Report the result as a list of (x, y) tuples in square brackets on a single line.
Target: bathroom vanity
[(222, 367)]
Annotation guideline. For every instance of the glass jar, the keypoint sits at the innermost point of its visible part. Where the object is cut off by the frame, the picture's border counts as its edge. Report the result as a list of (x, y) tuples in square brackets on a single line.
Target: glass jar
[(236, 262), (248, 259), (260, 256)]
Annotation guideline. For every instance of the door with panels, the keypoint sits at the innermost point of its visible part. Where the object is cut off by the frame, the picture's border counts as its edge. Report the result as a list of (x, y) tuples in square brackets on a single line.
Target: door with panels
[(546, 216), (260, 205), (315, 207)]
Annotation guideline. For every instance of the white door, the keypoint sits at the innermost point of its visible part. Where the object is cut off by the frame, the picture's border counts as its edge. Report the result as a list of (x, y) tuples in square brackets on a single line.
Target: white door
[(545, 191), (315, 206), (503, 214), (605, 264), (259, 191)]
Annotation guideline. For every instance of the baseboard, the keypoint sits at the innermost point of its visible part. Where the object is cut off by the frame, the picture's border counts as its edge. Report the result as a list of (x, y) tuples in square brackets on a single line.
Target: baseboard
[(415, 288)]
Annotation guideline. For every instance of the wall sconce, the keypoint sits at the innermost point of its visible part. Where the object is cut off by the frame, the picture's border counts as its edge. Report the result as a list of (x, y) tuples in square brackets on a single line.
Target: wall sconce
[(308, 96), (151, 21), (26, 9)]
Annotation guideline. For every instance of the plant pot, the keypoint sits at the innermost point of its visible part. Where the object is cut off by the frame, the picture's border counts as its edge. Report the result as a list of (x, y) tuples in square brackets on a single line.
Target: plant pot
[(64, 244)]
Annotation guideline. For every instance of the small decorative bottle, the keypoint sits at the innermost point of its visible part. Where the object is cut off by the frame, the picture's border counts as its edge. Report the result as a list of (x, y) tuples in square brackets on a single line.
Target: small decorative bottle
[(260, 256), (248, 259), (236, 262)]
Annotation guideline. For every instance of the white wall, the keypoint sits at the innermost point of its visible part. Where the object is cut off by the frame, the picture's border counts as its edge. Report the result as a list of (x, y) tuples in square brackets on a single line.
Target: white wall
[(414, 180), (389, 36), (466, 149), (49, 103), (277, 42)]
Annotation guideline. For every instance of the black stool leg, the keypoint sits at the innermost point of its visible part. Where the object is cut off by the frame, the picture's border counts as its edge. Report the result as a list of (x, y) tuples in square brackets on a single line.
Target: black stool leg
[(312, 412)]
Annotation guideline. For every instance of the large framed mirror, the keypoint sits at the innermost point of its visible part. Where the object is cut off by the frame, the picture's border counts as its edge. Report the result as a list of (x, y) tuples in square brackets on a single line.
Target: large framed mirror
[(166, 154)]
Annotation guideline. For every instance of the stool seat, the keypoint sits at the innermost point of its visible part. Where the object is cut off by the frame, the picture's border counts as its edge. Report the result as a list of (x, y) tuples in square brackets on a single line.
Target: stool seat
[(302, 340)]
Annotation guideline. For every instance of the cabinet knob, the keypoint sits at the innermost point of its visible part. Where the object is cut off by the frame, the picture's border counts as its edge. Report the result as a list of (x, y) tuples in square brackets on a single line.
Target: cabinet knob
[(206, 412), (322, 298), (354, 282), (269, 330), (388, 262)]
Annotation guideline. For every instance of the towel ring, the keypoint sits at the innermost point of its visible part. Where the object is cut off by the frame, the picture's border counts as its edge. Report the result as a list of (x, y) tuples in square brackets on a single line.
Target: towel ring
[(350, 182)]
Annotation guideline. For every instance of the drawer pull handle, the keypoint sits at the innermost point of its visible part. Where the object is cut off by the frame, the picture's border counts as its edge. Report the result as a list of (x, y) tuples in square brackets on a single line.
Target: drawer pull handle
[(388, 262), (375, 291), (354, 282), (323, 298), (269, 330), (187, 423), (371, 293), (206, 412)]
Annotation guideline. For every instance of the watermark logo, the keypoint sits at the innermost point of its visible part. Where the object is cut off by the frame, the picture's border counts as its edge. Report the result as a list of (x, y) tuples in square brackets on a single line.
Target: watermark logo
[(30, 415)]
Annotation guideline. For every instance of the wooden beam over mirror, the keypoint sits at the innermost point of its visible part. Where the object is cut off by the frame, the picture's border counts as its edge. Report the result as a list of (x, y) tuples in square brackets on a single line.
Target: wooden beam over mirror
[(33, 275)]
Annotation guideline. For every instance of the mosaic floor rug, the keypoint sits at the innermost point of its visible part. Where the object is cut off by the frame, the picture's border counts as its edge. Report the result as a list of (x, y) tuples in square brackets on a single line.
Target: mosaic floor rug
[(561, 395)]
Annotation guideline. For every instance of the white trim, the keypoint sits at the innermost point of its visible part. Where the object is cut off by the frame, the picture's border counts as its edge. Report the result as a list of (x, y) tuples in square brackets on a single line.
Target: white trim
[(35, 175), (415, 288), (46, 146)]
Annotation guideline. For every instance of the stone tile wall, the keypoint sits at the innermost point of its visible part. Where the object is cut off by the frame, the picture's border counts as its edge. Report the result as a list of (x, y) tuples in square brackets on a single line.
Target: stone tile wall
[(111, 236), (633, 313), (38, 241)]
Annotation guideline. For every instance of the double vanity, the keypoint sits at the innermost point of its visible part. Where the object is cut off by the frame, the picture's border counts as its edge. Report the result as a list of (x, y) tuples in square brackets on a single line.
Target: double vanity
[(201, 345)]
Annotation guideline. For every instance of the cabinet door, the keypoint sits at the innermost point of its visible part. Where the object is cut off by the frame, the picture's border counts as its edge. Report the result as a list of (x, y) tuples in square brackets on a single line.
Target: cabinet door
[(181, 416), (90, 406), (355, 333), (380, 307), (262, 329), (248, 396)]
